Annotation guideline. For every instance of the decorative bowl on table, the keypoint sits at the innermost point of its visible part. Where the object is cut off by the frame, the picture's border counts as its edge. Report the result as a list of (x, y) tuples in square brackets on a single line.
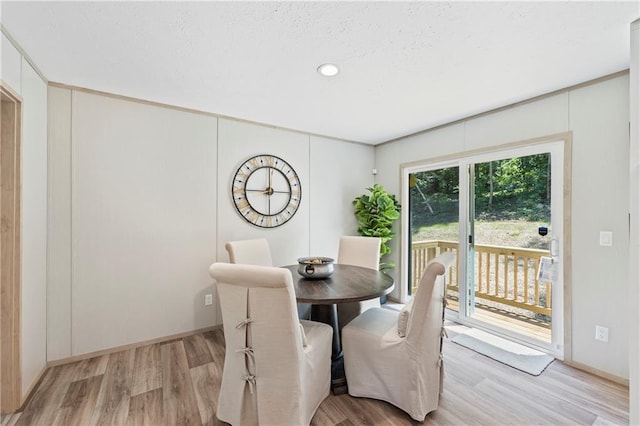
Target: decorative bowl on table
[(315, 267)]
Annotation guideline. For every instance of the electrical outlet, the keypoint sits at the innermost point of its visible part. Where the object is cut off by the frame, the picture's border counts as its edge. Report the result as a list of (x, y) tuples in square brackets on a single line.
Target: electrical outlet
[(602, 333), (208, 299)]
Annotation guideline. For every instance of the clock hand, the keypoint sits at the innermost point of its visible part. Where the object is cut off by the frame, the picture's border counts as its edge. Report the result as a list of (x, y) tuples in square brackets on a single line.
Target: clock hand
[(269, 191)]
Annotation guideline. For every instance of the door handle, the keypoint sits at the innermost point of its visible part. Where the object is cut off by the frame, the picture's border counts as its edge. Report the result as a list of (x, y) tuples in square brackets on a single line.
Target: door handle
[(554, 249)]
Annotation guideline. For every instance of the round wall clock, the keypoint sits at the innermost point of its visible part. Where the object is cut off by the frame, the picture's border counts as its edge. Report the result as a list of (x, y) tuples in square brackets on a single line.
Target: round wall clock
[(266, 191)]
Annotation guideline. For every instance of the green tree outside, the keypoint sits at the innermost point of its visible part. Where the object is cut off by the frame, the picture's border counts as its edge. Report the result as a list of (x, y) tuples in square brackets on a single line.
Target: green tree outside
[(515, 190)]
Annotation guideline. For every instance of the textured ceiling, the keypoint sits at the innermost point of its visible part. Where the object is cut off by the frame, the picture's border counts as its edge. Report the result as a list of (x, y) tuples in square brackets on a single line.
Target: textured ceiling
[(405, 66)]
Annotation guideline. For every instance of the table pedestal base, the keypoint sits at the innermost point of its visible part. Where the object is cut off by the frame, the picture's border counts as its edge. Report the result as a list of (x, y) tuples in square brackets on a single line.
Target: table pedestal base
[(325, 293), (328, 314), (338, 378)]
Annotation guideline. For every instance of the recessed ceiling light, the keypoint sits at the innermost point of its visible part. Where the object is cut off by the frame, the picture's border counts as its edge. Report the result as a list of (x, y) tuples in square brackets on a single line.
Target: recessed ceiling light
[(328, 70)]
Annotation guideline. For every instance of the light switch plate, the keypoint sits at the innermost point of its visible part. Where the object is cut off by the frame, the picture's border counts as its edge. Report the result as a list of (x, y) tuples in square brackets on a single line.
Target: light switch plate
[(606, 238)]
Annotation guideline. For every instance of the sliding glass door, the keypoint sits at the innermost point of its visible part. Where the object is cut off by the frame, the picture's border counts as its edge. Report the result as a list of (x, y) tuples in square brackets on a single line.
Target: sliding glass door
[(502, 213)]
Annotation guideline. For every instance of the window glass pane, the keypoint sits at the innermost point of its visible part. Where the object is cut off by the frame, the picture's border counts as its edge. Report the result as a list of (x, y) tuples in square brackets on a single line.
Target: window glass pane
[(434, 211)]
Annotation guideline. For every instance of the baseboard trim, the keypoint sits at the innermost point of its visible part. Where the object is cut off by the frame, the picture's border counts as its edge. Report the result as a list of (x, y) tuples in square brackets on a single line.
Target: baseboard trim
[(88, 355), (596, 372)]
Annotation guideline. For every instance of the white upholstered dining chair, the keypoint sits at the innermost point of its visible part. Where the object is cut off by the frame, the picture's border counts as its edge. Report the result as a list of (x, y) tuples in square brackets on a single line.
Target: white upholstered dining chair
[(358, 251), (250, 252), (397, 356), (257, 252), (277, 369)]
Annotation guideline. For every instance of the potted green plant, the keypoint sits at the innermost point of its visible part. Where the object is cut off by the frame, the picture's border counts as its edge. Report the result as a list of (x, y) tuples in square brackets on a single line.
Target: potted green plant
[(376, 212)]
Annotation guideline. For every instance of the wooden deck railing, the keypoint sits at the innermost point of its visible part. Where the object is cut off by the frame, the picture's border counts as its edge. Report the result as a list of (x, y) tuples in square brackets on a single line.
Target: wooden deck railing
[(506, 275)]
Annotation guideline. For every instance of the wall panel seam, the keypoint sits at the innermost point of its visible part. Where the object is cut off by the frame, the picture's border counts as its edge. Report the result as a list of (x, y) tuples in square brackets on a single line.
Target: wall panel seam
[(71, 221)]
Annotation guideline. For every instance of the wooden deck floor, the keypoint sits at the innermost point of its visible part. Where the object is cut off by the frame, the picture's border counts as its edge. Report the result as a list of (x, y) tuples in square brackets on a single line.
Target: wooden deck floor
[(529, 327)]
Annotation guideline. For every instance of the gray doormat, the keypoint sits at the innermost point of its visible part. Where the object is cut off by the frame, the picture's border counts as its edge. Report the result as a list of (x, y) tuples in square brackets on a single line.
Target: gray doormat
[(505, 351)]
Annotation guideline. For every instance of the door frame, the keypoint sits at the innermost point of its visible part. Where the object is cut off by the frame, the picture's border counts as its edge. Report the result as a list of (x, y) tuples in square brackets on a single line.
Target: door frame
[(10, 252), (563, 352)]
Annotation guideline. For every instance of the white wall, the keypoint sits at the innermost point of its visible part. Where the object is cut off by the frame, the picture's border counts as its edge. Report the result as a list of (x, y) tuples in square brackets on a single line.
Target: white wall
[(597, 115), (22, 79), (59, 211), (34, 224), (599, 119), (634, 209), (141, 232), (339, 173), (140, 206)]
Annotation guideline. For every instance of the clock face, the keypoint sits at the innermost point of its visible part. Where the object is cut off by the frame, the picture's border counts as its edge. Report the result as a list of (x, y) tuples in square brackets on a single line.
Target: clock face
[(266, 191)]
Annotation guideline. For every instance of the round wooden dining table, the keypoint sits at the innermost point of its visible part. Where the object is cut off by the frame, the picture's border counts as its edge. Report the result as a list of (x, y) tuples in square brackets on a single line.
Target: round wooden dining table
[(347, 284)]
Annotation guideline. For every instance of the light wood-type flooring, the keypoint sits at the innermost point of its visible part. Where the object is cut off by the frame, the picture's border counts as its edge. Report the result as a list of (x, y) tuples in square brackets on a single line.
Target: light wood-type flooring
[(177, 383)]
